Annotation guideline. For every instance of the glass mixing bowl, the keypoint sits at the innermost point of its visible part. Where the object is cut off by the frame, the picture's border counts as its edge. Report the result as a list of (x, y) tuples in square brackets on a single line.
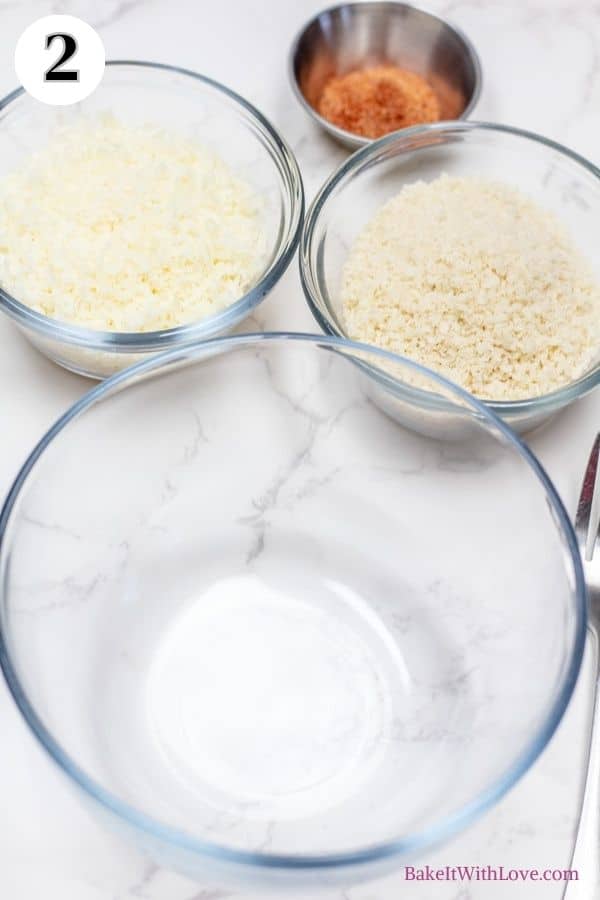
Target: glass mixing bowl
[(185, 103), (272, 634), (554, 176)]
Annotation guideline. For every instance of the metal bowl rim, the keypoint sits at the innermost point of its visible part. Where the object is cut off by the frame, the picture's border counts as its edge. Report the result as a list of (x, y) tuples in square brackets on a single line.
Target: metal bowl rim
[(357, 140)]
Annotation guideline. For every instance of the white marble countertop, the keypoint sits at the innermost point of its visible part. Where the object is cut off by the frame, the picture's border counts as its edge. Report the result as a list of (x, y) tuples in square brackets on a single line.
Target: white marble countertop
[(541, 61)]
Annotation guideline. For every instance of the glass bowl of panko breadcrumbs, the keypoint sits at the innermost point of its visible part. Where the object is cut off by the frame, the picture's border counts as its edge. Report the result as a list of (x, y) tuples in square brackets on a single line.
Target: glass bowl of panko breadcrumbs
[(469, 248), (158, 212)]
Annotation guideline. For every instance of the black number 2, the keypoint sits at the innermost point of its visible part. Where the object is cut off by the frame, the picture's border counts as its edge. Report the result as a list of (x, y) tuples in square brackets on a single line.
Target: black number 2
[(69, 49)]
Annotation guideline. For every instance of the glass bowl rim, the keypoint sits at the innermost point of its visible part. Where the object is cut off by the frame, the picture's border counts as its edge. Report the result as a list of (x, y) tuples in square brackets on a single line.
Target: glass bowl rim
[(394, 848), (368, 155), (123, 341)]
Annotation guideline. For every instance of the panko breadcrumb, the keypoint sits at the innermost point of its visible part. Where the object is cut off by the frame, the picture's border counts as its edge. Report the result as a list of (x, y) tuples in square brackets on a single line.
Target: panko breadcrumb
[(474, 280)]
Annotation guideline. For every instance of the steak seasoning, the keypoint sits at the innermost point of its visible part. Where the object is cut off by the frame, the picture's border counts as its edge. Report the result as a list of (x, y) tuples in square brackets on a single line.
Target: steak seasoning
[(373, 102)]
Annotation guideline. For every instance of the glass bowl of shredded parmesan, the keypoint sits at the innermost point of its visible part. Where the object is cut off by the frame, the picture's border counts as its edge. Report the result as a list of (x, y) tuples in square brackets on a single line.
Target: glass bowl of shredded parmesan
[(158, 212), (469, 248)]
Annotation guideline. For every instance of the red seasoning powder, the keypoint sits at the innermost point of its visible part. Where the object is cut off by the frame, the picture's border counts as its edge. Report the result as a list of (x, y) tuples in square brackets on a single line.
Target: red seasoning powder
[(373, 102)]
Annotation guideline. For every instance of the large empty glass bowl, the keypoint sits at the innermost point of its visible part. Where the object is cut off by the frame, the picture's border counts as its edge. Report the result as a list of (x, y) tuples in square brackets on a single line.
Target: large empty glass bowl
[(269, 631)]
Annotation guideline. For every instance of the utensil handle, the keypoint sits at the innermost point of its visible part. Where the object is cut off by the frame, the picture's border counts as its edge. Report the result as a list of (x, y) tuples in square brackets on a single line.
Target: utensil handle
[(586, 854)]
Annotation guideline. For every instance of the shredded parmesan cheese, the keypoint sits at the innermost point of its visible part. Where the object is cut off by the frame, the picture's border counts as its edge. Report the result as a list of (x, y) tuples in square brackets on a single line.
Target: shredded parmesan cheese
[(474, 280), (124, 228)]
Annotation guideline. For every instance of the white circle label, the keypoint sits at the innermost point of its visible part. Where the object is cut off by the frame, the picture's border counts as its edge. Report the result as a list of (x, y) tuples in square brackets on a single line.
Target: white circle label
[(59, 60)]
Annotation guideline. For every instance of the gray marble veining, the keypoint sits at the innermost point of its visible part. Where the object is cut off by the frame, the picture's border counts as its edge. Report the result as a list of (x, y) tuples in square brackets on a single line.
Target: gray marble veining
[(541, 71)]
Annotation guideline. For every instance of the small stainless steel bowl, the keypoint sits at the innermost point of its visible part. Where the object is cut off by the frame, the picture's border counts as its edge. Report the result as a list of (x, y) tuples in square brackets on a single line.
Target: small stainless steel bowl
[(358, 35)]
